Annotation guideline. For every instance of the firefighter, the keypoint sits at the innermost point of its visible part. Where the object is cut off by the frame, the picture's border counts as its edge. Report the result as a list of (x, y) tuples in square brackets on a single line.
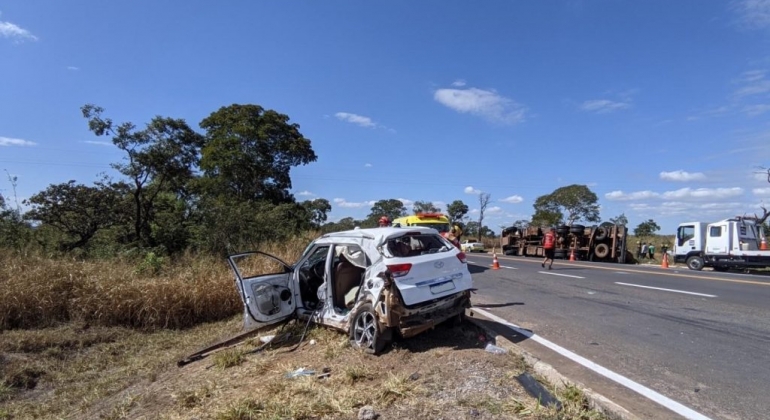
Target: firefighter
[(384, 221), (454, 236), (549, 246)]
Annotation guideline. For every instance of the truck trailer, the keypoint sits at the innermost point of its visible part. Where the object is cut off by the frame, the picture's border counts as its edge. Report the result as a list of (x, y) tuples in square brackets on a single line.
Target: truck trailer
[(737, 243), (606, 242)]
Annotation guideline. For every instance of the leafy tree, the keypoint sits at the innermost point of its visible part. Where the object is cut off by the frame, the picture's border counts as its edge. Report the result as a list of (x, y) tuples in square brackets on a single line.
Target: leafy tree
[(161, 157), (647, 228), (483, 203), (619, 220), (346, 223), (250, 151), (521, 224), (472, 231), (14, 231), (391, 208), (318, 210), (456, 210), (577, 201), (425, 207), (77, 210)]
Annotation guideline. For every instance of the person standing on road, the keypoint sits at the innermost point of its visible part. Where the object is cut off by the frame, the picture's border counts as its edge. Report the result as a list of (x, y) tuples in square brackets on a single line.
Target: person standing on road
[(549, 246), (644, 251), (651, 250)]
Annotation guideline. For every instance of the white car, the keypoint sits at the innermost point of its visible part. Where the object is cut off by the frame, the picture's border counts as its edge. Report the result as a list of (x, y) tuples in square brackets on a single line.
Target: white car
[(471, 245), (367, 282)]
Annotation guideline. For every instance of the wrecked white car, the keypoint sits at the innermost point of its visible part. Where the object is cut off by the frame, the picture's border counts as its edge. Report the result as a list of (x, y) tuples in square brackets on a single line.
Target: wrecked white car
[(371, 283)]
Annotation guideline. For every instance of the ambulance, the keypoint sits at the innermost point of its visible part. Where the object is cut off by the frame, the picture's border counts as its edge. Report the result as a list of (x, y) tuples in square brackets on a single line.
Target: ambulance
[(436, 221)]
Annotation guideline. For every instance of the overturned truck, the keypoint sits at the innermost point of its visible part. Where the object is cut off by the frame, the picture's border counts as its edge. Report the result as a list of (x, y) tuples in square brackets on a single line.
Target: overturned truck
[(604, 243)]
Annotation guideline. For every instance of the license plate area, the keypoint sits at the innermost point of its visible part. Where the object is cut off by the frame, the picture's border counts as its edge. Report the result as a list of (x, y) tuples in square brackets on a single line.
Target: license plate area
[(442, 287)]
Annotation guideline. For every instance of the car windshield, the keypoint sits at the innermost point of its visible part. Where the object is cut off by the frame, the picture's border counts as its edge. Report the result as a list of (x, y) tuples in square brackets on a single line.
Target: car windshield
[(419, 244), (441, 227)]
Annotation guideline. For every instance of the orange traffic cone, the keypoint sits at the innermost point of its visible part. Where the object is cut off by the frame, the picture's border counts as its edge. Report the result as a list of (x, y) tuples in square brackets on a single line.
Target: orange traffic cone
[(572, 255), (495, 263), (763, 244), (664, 264)]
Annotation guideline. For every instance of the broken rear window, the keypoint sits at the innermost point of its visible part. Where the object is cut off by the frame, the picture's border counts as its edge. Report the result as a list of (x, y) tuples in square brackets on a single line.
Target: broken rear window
[(412, 245)]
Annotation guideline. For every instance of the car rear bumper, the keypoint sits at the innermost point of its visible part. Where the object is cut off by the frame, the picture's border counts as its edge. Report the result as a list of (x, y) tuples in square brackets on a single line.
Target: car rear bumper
[(417, 320)]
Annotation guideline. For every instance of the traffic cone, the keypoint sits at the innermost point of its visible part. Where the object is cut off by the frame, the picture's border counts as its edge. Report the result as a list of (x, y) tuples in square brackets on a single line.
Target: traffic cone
[(572, 255), (495, 263), (763, 245), (664, 263)]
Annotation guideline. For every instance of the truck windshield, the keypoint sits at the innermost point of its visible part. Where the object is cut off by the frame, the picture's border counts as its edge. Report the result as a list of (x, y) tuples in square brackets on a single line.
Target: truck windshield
[(684, 234)]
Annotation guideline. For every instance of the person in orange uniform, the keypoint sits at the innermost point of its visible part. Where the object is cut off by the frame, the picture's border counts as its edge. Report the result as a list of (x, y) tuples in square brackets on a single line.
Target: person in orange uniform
[(549, 246)]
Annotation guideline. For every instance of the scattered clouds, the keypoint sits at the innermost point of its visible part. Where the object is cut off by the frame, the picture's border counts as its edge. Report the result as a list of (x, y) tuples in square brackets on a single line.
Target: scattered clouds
[(603, 106), (341, 202), (73, 68), (682, 194), (407, 202), (458, 83), (98, 143), (756, 109), (761, 192), (367, 165), (7, 141), (682, 176), (493, 210), (15, 32), (753, 82), (487, 104), (752, 14), (471, 190), (356, 119), (305, 193), (682, 208), (514, 199)]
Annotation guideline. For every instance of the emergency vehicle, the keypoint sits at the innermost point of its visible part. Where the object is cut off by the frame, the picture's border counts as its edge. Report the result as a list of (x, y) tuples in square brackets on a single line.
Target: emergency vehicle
[(436, 221)]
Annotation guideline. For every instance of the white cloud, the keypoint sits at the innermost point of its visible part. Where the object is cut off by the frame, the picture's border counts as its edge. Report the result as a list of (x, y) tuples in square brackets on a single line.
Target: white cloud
[(305, 193), (702, 193), (347, 204), (603, 106), (753, 82), (639, 195), (73, 68), (756, 109), (482, 103), (439, 204), (367, 165), (407, 202), (752, 14), (682, 176), (458, 83), (471, 190), (493, 210), (761, 192), (12, 31), (7, 141), (513, 199), (98, 143), (356, 119)]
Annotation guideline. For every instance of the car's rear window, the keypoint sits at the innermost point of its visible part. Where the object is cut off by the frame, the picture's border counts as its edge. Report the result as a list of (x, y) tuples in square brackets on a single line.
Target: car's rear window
[(414, 245)]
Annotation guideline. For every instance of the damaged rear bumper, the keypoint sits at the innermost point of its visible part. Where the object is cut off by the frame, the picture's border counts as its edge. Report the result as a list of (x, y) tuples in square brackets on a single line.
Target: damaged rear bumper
[(410, 321)]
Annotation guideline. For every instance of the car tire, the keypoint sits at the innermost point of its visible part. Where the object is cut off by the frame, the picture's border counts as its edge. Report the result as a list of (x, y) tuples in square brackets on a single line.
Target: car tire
[(695, 263), (559, 254), (601, 233), (365, 331), (562, 230), (601, 251), (577, 229)]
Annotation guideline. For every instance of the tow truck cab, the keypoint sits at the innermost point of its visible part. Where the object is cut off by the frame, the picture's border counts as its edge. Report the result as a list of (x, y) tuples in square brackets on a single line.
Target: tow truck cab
[(730, 243)]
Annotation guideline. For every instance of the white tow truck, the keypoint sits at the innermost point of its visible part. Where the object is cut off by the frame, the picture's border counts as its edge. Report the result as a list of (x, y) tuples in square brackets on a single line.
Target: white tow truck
[(736, 243)]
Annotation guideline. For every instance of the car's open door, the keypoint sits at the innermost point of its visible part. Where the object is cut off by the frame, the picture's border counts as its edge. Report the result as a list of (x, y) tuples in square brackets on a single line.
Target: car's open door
[(265, 285)]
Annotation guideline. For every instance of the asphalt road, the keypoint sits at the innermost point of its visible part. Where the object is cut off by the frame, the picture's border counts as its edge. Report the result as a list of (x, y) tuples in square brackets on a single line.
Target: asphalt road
[(704, 342)]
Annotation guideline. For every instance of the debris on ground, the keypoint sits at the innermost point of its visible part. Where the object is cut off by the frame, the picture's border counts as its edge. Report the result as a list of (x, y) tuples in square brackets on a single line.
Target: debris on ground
[(491, 348), (367, 413)]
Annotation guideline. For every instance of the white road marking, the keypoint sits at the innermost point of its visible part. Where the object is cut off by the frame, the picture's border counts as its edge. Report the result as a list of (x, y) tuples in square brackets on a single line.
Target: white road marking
[(665, 290), (510, 268), (562, 275), (622, 380), (484, 265), (620, 272)]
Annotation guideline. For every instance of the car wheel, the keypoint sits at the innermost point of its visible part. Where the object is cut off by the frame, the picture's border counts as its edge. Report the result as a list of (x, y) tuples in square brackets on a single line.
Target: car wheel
[(365, 331), (695, 263)]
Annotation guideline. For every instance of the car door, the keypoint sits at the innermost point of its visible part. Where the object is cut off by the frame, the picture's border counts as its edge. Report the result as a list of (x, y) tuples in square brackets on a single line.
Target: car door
[(265, 285)]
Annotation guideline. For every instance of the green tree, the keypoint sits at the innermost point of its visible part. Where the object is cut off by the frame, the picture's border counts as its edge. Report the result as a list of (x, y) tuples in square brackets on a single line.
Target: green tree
[(14, 231), (346, 223), (391, 208), (77, 210), (425, 207), (619, 220), (646, 229), (250, 151), (521, 224), (159, 158), (577, 201), (456, 211), (318, 210)]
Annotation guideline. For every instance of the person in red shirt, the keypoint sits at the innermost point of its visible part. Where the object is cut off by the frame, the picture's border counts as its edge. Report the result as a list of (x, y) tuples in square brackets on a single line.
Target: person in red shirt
[(384, 221), (549, 246)]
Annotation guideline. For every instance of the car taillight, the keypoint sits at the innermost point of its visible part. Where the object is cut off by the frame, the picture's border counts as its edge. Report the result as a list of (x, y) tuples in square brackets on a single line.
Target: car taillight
[(461, 257), (399, 270)]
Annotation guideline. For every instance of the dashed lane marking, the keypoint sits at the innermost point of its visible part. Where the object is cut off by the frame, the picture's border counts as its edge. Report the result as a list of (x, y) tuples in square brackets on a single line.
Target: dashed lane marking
[(665, 290)]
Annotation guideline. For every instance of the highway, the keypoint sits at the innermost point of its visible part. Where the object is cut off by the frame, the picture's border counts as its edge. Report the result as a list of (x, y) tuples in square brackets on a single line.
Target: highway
[(701, 339)]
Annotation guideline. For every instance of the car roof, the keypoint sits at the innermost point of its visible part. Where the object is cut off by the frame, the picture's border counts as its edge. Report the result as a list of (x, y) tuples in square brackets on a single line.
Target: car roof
[(380, 232)]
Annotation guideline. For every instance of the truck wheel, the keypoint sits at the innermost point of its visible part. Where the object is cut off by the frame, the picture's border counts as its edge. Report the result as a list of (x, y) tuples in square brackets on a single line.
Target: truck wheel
[(559, 254), (577, 229), (562, 230), (365, 331), (695, 263), (601, 233), (601, 251)]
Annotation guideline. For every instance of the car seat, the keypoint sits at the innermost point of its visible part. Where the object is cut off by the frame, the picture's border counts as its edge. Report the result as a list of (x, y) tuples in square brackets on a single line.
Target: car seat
[(346, 277)]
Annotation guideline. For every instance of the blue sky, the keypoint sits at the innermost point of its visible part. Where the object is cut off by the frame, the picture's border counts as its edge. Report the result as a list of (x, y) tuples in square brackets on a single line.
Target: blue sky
[(660, 107)]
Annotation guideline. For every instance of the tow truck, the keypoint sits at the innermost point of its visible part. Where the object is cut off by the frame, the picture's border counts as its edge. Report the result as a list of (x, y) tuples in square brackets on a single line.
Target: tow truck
[(735, 243)]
